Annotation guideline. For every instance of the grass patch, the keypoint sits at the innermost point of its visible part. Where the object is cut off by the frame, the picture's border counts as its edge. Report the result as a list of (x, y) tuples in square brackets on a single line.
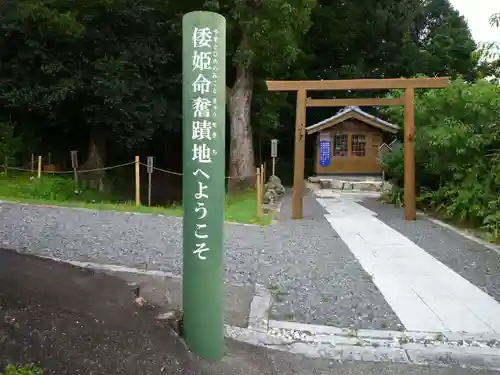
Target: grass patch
[(58, 191), (24, 370)]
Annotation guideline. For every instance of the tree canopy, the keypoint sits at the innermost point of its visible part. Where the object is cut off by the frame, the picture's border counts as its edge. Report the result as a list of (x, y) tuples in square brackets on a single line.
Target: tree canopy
[(87, 68), (103, 76)]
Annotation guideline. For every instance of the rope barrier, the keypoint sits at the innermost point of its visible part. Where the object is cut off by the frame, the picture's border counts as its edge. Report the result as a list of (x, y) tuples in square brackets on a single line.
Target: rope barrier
[(258, 175), (78, 170), (240, 177), (15, 168), (96, 169), (115, 167), (180, 174), (162, 170)]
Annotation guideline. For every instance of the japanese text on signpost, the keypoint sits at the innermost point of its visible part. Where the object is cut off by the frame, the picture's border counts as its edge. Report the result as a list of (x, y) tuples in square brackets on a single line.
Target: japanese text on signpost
[(203, 112), (204, 104)]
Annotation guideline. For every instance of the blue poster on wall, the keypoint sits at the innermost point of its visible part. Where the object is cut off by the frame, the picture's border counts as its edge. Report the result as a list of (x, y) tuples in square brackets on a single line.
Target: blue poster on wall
[(324, 150)]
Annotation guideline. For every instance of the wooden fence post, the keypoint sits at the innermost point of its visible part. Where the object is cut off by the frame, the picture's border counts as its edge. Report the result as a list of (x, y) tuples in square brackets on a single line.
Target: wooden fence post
[(137, 182), (259, 193), (39, 166)]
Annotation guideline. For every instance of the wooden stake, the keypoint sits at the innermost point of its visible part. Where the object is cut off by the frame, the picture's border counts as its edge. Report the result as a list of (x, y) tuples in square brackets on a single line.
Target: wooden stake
[(259, 193), (409, 155), (32, 164), (298, 169), (137, 182), (149, 189), (265, 172), (39, 166), (263, 179)]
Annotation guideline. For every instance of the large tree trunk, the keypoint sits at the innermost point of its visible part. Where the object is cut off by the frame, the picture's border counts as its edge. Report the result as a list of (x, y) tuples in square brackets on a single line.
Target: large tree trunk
[(96, 160), (242, 163)]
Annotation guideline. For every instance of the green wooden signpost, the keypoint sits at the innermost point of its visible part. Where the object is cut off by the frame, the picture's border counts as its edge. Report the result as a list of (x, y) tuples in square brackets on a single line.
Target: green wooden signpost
[(203, 127)]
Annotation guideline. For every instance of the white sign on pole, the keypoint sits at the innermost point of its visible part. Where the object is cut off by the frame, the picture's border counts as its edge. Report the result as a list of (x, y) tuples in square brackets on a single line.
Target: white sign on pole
[(74, 159), (274, 153), (150, 164), (150, 172), (274, 148)]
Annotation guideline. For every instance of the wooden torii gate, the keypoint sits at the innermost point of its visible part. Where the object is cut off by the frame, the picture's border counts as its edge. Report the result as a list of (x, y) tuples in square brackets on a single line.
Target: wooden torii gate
[(408, 100)]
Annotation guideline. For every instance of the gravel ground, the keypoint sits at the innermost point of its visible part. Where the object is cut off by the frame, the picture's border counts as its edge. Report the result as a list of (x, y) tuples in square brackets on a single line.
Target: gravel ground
[(314, 276), (469, 259)]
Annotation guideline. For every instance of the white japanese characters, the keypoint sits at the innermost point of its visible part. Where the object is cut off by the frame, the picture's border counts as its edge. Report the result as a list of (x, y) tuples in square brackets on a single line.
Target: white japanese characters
[(201, 107), (204, 106), (202, 37), (202, 130)]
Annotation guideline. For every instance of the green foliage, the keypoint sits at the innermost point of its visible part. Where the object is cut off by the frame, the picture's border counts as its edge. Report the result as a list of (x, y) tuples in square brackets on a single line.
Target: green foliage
[(488, 55), (81, 65), (395, 196), (24, 370), (386, 38), (492, 225), (73, 67), (265, 34), (10, 144), (392, 163), (242, 208), (457, 152), (265, 40), (443, 39)]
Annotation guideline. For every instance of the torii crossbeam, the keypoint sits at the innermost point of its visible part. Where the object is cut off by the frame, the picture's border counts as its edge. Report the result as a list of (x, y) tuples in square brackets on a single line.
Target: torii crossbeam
[(408, 100)]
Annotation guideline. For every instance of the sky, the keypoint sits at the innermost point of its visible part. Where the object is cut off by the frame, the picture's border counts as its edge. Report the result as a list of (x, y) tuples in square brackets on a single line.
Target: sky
[(477, 13)]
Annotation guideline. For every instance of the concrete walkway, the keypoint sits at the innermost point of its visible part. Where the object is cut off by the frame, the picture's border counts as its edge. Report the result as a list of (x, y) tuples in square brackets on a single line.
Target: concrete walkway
[(425, 294)]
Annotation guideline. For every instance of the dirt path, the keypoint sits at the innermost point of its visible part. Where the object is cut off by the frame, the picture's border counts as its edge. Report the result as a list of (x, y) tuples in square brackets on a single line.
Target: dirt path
[(72, 321)]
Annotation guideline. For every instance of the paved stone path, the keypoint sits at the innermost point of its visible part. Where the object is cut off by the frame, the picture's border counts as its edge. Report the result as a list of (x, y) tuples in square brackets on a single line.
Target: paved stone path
[(423, 292)]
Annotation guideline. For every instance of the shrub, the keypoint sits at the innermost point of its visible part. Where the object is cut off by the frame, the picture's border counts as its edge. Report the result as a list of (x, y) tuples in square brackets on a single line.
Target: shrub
[(457, 152)]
